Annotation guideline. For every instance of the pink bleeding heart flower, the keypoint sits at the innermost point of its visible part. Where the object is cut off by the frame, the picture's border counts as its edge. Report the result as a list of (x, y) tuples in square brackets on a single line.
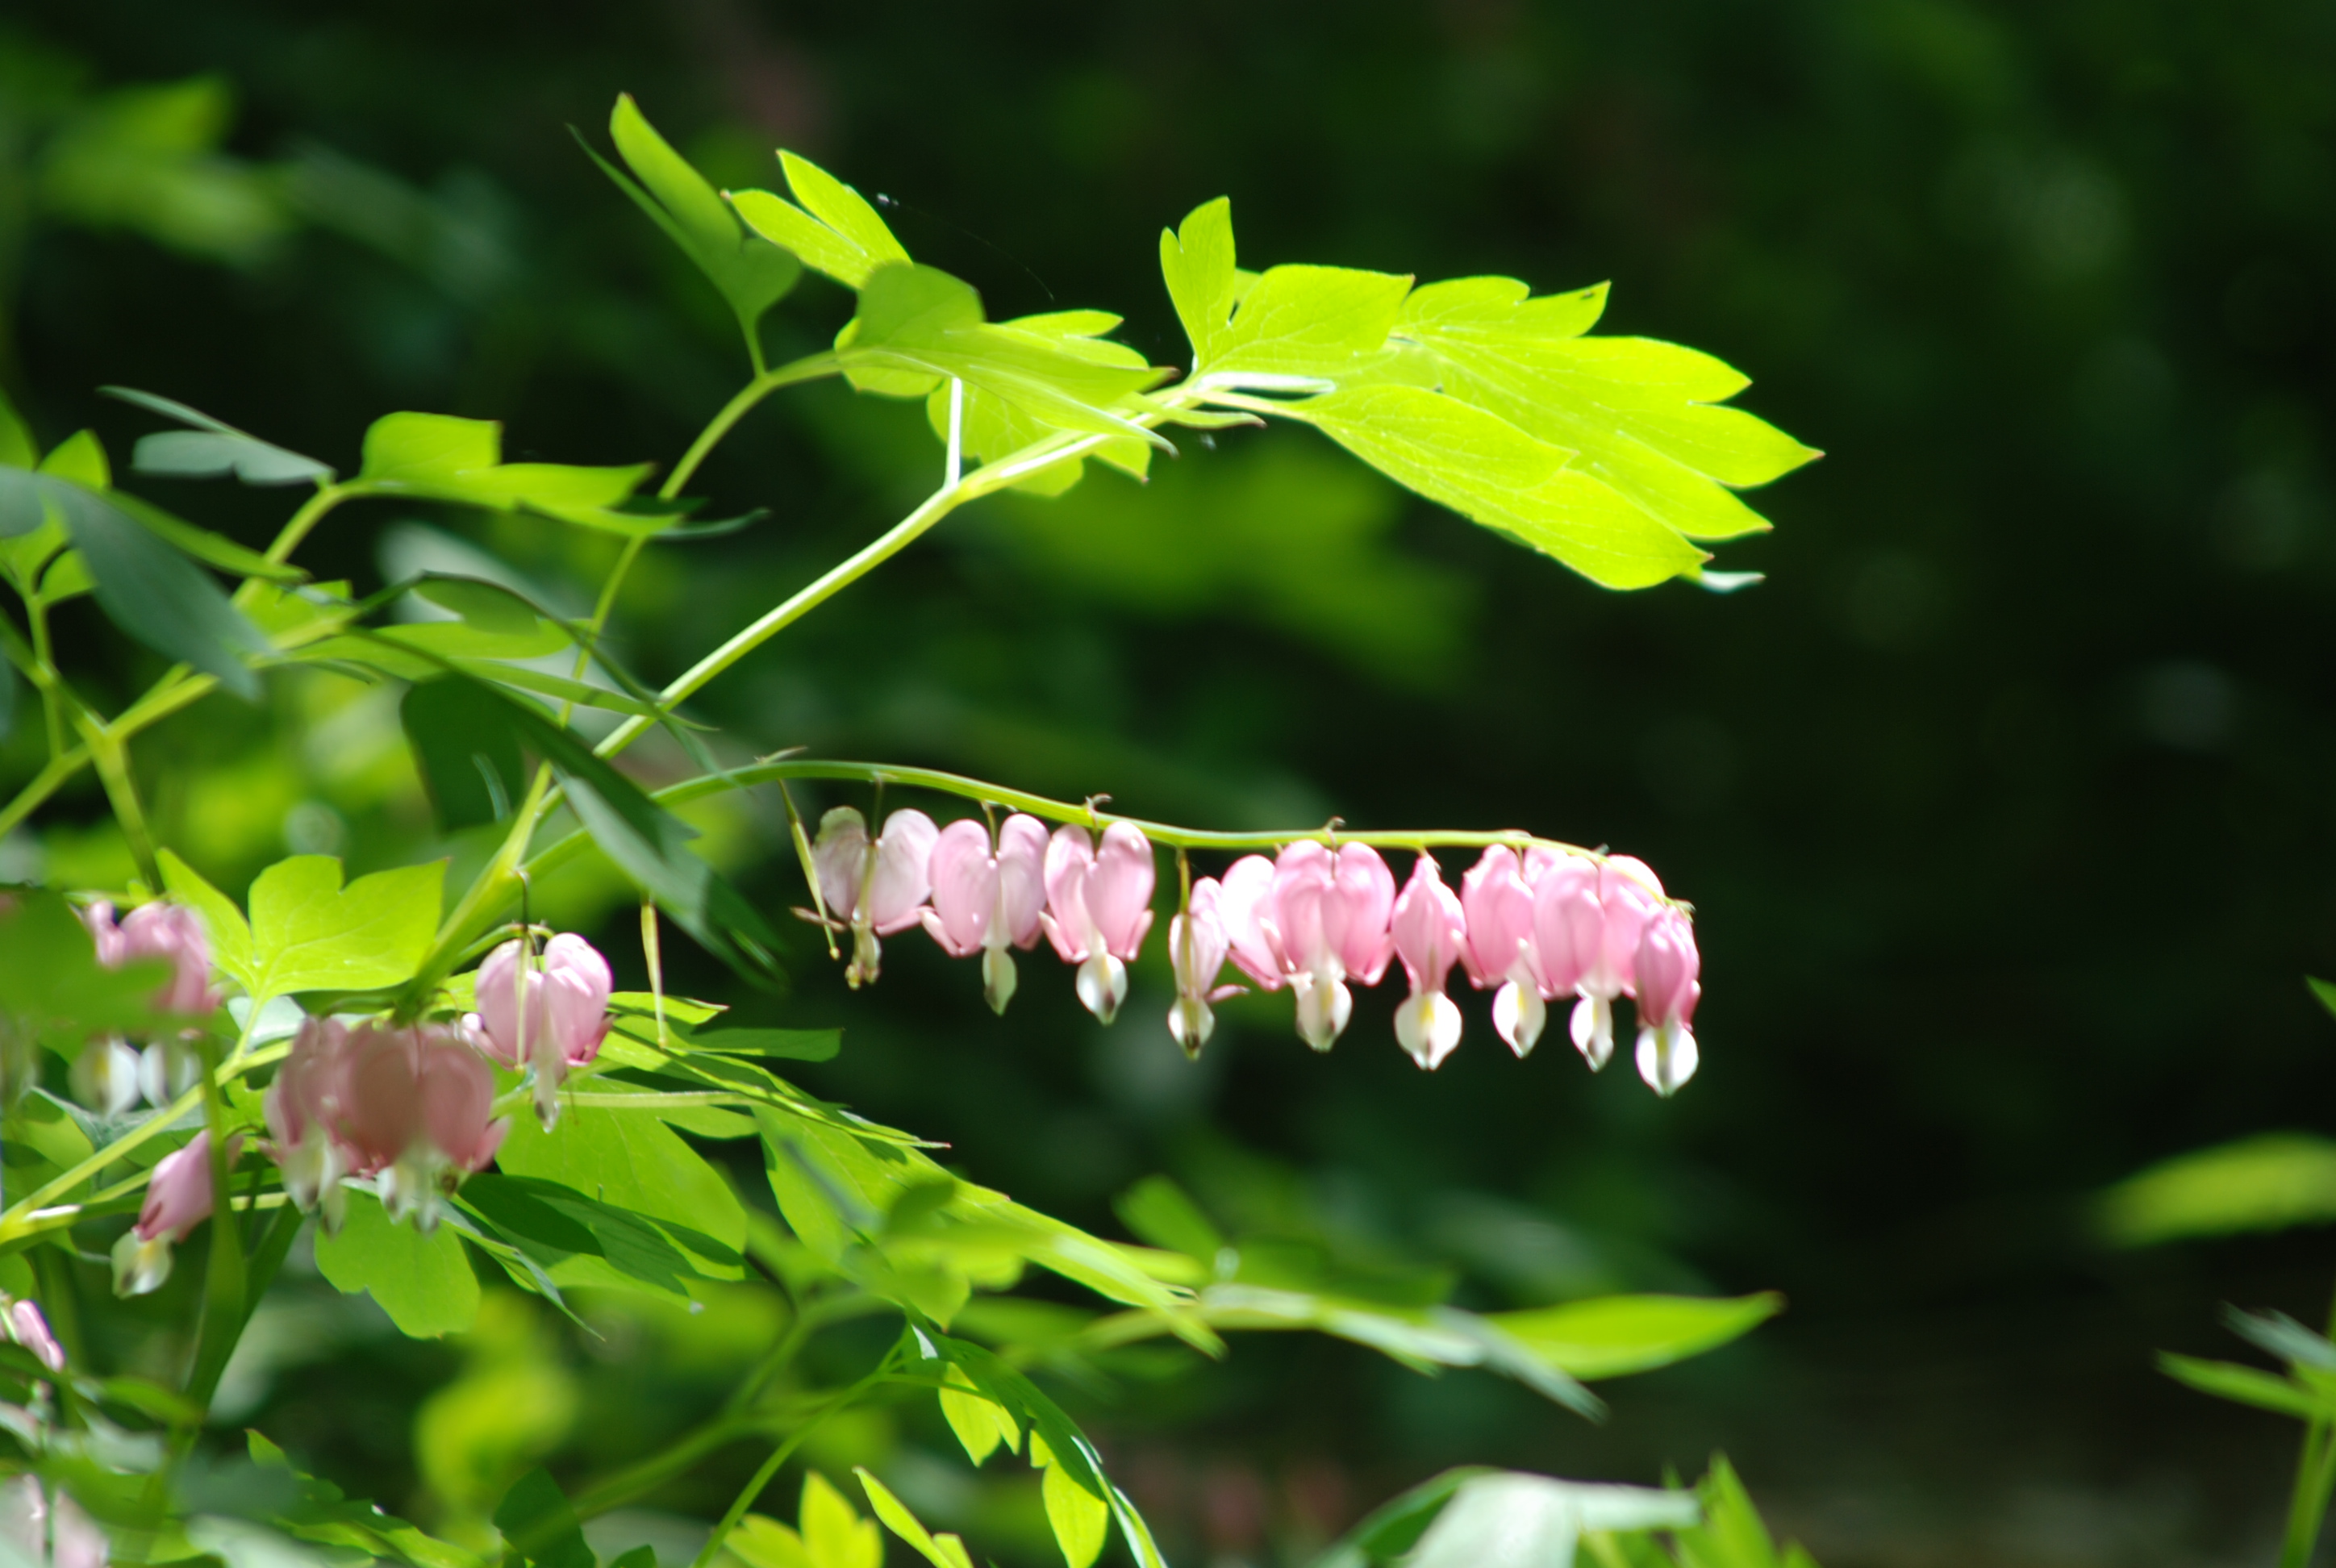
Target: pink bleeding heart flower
[(1099, 908), (1313, 921), (1197, 947), (415, 1104), (872, 888), (985, 901), (1668, 967), (549, 1014), (1498, 903), (301, 1107), (1431, 933), (179, 1197), (28, 1328), (1587, 920), (165, 930)]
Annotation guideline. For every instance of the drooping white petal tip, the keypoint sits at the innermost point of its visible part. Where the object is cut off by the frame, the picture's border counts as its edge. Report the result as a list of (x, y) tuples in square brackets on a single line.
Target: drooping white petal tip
[(1428, 1026), (1519, 1015), (1103, 985), (1667, 1058), (1593, 1030)]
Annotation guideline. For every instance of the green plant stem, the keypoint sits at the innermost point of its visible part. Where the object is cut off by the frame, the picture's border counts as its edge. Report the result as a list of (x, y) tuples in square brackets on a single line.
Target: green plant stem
[(780, 1455), (812, 367), (44, 673), (112, 763), (2315, 1478), (296, 529)]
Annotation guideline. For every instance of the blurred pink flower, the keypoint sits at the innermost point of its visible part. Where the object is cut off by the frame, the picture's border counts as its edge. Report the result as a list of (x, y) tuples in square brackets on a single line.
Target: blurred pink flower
[(1668, 966), (986, 902), (872, 889), (29, 1329), (1197, 946), (550, 1016), (301, 1107), (160, 930), (414, 1101), (1430, 932), (48, 1532), (179, 1197), (1099, 908)]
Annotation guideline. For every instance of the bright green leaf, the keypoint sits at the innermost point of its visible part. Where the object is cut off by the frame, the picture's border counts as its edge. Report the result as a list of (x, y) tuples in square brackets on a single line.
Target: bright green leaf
[(1197, 262), (1081, 1520), (631, 1160), (833, 1534), (229, 933), (1613, 1336), (1326, 322), (941, 1552), (751, 273), (308, 933), (840, 235), (440, 457), (422, 1282)]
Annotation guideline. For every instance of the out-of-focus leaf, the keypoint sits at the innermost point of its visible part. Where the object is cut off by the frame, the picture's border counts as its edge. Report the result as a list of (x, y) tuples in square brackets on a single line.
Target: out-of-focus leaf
[(17, 448), (1732, 1534), (1511, 1520), (212, 448), (840, 235), (148, 589), (422, 1282), (323, 1514), (2266, 1183), (308, 933), (1613, 1336), (941, 1550), (539, 1524), (148, 159), (751, 273), (2248, 1385), (51, 983), (2284, 1337), (467, 750), (1161, 1212), (440, 457)]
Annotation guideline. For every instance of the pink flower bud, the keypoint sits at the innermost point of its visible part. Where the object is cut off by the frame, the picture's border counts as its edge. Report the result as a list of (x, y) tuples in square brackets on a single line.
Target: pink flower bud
[(984, 902), (1197, 946), (29, 1329), (1099, 908), (1667, 968), (874, 889), (1430, 932), (160, 930), (179, 1197)]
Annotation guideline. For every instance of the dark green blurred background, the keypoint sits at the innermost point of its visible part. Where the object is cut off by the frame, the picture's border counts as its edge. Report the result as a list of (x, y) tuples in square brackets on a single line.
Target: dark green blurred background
[(2003, 800)]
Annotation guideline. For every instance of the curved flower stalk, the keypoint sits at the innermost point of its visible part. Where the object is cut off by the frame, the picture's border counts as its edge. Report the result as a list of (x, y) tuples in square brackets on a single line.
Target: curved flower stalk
[(1098, 909), (548, 1016), (179, 1197), (872, 889), (987, 900)]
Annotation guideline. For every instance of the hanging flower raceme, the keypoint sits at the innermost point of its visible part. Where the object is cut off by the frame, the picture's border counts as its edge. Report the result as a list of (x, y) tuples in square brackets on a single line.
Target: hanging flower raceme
[(1312, 921), (1667, 969), (160, 930), (1197, 947), (1430, 933), (179, 1197), (416, 1104), (872, 889), (548, 1013), (1587, 920), (1099, 908), (987, 901)]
